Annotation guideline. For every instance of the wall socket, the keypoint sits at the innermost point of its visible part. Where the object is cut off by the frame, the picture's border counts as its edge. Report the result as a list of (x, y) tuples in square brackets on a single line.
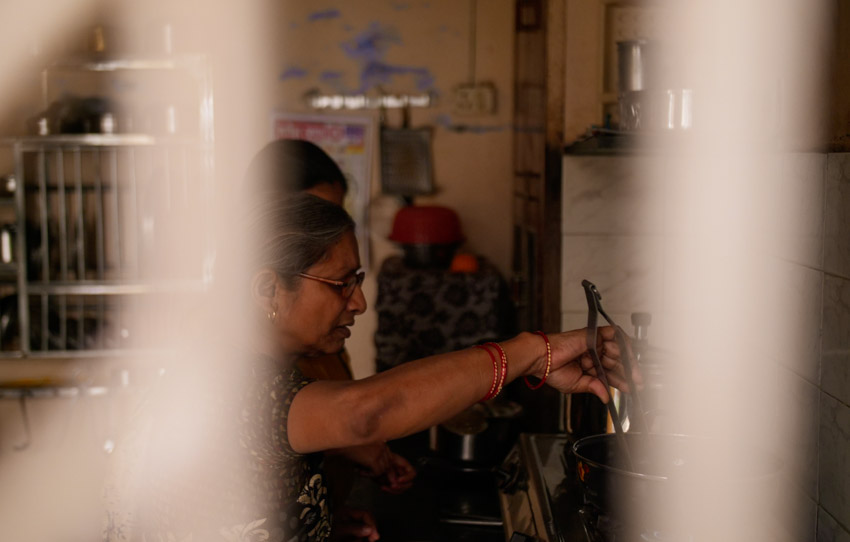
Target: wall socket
[(477, 99)]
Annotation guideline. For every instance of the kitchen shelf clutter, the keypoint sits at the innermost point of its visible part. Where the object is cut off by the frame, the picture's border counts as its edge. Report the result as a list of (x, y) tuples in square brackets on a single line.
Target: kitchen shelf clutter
[(106, 217)]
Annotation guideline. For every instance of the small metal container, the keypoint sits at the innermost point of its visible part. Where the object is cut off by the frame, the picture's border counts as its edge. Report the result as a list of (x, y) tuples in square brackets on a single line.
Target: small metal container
[(650, 94), (636, 64), (7, 244)]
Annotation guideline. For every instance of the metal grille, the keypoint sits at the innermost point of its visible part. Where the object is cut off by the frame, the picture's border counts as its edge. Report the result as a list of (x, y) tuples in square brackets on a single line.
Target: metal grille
[(101, 220)]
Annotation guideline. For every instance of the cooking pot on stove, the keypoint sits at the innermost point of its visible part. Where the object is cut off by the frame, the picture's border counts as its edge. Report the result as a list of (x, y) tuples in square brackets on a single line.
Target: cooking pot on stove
[(480, 435), (656, 493)]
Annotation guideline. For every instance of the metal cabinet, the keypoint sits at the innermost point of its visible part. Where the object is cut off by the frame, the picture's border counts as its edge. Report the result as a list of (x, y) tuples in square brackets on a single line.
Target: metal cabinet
[(111, 230)]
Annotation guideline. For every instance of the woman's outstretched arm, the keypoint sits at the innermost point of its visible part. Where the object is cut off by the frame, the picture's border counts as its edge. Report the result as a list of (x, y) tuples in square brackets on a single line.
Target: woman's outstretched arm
[(422, 393)]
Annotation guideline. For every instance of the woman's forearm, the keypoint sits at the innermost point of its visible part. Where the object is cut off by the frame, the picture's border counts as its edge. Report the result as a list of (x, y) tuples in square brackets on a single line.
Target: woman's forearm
[(405, 399)]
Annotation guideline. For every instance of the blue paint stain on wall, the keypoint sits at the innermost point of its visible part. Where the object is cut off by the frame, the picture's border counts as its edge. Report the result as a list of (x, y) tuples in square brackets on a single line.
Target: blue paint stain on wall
[(369, 49), (372, 43), (330, 76), (293, 72), (400, 6), (332, 13)]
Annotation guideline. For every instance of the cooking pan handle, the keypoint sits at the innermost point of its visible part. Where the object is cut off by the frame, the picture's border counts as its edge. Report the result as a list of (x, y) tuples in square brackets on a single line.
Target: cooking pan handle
[(594, 302), (592, 295)]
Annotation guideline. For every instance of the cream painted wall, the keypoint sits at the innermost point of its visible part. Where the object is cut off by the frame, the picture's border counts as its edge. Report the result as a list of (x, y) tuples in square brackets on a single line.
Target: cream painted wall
[(300, 45), (430, 41)]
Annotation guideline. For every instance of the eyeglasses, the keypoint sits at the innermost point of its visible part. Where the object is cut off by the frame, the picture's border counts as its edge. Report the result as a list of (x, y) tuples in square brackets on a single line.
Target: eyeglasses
[(345, 288)]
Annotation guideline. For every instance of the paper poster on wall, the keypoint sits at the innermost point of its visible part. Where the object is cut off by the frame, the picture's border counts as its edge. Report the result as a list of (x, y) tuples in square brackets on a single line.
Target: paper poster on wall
[(348, 140)]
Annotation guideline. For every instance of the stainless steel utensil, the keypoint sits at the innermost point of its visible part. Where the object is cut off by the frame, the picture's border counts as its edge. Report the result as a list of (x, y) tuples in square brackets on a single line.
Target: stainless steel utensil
[(594, 307), (651, 93)]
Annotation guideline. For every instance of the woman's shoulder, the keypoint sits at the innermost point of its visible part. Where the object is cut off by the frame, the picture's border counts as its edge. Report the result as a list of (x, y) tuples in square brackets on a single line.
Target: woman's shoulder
[(266, 372)]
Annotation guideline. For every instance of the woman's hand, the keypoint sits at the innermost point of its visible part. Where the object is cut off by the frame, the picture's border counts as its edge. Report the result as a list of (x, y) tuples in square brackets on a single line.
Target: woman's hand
[(573, 370), (399, 476), (391, 471), (353, 524)]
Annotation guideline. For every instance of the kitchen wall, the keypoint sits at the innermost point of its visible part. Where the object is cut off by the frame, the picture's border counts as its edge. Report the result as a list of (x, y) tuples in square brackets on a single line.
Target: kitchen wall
[(409, 47), (833, 495), (332, 47), (615, 236)]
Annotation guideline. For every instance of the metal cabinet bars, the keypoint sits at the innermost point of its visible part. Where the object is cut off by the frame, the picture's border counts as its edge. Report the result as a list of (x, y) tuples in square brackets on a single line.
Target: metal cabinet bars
[(100, 220)]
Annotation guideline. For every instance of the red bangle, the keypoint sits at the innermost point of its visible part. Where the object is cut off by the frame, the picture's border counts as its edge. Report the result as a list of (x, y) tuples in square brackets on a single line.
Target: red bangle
[(548, 364), (490, 394), (504, 359)]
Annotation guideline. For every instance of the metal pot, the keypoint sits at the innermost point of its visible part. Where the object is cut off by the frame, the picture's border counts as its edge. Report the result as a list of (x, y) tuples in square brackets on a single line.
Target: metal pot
[(482, 434), (664, 472), (637, 65)]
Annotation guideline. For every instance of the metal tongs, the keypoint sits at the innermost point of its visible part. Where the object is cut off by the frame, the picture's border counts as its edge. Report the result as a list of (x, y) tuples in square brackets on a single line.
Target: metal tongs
[(594, 309)]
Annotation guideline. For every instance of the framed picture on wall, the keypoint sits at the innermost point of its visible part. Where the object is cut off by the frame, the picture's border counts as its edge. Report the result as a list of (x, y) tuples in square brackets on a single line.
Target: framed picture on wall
[(348, 140)]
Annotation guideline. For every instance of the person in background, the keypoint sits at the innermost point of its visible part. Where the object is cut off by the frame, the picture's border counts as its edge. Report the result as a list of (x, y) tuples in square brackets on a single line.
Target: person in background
[(290, 166)]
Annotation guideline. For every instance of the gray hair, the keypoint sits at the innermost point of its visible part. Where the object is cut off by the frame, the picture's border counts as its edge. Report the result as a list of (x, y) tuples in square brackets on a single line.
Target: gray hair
[(290, 234)]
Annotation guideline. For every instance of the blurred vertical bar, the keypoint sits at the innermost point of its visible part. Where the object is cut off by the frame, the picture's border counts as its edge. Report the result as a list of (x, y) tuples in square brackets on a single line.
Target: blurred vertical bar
[(63, 246), (116, 233), (80, 242), (44, 249)]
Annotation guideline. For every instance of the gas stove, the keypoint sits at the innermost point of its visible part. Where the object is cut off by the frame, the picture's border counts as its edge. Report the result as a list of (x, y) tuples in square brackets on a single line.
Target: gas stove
[(539, 495)]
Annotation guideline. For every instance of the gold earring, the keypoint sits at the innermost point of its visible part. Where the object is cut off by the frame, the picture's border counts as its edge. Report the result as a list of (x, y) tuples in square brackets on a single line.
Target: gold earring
[(272, 315)]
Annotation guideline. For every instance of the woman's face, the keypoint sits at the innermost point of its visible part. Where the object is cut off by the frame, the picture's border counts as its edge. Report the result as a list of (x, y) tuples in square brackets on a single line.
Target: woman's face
[(315, 317)]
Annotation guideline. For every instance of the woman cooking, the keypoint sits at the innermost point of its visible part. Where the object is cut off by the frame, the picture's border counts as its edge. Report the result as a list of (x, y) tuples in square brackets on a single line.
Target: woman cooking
[(272, 425), (289, 166)]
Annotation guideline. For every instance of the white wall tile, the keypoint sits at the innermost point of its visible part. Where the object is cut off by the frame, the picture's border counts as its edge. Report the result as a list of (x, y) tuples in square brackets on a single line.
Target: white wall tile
[(612, 195), (794, 438), (792, 317), (835, 360), (836, 321), (837, 215), (796, 514), (829, 530), (834, 461), (793, 195), (835, 376)]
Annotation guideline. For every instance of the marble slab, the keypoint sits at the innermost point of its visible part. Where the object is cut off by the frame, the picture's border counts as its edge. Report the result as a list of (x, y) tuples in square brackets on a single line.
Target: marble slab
[(613, 195), (834, 460), (627, 270), (837, 215)]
